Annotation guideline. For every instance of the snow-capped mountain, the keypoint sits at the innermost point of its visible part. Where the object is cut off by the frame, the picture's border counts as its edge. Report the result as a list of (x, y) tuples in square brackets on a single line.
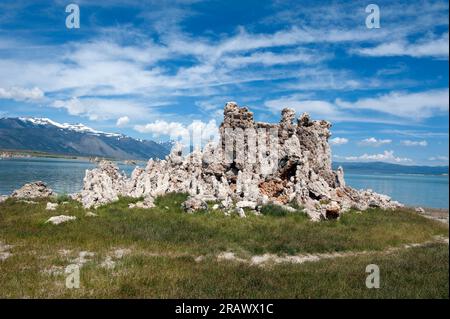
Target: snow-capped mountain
[(46, 135), (81, 128)]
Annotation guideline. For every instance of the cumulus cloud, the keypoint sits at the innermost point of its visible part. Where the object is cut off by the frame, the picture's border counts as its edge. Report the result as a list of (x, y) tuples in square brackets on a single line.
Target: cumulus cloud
[(21, 94), (122, 121), (160, 127), (414, 143), (338, 141), (373, 142), (386, 156), (196, 133)]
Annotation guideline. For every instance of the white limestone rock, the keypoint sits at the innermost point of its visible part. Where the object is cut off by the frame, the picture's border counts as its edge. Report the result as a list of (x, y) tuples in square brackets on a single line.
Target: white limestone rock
[(103, 185), (246, 204), (292, 163), (147, 203), (33, 190), (51, 206), (420, 210), (56, 220)]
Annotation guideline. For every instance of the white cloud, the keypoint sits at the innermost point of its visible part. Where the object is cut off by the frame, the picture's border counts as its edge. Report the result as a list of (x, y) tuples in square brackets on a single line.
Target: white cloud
[(373, 142), (415, 133), (414, 143), (122, 121), (160, 128), (270, 58), (316, 107), (196, 133), (435, 47), (21, 94), (417, 106), (101, 109), (338, 141), (440, 158), (386, 156)]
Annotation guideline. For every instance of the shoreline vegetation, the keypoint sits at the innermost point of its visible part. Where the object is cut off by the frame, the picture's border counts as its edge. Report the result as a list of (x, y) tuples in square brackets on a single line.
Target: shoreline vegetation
[(164, 252)]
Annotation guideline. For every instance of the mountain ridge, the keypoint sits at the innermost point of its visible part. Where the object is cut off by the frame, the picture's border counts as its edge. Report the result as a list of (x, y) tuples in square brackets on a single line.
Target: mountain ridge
[(46, 135)]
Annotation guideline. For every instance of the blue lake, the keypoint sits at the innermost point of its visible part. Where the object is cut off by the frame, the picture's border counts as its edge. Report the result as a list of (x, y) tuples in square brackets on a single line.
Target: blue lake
[(414, 190), (66, 176)]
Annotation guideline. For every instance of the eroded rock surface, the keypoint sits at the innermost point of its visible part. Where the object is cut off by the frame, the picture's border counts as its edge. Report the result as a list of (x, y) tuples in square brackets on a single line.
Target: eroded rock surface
[(102, 185), (33, 190), (253, 164)]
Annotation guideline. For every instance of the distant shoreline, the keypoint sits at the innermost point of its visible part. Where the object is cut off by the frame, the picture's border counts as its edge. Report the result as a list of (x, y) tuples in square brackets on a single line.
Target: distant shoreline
[(19, 154)]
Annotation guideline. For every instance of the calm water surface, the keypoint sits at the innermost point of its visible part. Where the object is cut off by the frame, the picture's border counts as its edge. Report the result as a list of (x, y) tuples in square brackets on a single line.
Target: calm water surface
[(66, 176), (414, 190)]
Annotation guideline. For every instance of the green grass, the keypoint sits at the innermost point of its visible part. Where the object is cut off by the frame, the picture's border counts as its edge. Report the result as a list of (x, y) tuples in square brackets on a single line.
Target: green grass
[(164, 242)]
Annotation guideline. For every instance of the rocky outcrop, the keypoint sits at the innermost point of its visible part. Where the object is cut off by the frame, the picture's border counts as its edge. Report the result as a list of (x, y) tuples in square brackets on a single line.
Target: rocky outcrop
[(33, 190), (102, 185), (253, 164)]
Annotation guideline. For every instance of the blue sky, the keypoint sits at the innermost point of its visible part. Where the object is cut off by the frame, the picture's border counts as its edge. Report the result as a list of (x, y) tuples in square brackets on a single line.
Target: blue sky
[(151, 69)]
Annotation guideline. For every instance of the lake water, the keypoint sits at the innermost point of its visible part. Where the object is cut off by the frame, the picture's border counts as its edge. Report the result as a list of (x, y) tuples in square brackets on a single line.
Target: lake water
[(66, 176)]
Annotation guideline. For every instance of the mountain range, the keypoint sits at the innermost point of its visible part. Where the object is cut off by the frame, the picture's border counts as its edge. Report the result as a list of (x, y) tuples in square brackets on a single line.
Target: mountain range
[(389, 168), (45, 135)]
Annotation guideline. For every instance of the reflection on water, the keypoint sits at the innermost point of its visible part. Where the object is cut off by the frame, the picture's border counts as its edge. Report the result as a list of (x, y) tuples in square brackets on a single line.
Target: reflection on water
[(66, 176)]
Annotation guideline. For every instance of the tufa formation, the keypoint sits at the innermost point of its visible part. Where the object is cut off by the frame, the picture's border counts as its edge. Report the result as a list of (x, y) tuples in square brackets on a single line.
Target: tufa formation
[(253, 164)]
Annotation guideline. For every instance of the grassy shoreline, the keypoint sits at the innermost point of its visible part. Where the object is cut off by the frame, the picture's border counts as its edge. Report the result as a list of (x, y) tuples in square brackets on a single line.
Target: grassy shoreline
[(171, 254)]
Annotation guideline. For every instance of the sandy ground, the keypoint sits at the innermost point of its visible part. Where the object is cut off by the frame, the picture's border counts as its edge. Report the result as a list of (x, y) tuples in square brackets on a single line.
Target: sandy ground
[(439, 214)]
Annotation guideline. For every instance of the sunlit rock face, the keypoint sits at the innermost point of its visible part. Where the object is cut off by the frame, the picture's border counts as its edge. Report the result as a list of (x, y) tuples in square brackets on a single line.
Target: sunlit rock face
[(253, 162)]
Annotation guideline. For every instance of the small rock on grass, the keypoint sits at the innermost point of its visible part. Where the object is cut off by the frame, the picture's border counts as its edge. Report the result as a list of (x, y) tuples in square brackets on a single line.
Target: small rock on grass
[(4, 251), (420, 210), (148, 202), (51, 206), (240, 212), (56, 220)]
